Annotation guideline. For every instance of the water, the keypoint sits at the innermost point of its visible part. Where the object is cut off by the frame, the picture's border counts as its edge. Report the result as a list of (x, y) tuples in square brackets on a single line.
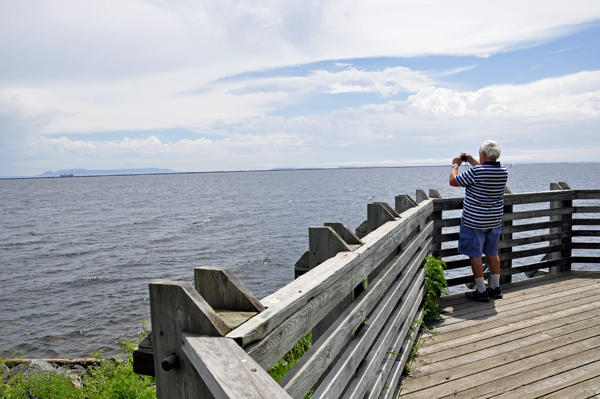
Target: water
[(77, 254)]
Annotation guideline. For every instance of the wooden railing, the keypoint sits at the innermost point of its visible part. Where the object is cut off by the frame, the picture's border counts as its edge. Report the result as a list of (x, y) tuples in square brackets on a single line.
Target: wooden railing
[(360, 294)]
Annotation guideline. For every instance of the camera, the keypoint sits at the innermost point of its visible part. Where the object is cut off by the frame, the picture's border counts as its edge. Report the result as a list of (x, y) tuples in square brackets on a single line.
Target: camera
[(463, 158)]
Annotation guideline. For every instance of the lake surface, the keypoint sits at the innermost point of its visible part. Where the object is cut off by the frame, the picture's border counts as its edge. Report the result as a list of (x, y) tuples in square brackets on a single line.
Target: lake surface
[(77, 254)]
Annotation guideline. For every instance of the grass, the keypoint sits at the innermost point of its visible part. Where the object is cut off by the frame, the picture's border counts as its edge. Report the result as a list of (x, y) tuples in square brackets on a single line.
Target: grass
[(111, 379), (116, 379)]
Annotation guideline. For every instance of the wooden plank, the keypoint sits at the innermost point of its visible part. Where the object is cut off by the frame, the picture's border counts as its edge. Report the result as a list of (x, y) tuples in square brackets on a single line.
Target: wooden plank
[(586, 245), (585, 259), (512, 298), (515, 375), (143, 357), (586, 233), (458, 337), (507, 341), (447, 204), (234, 319), (222, 289), (498, 357), (586, 222), (535, 226), (175, 306), (400, 347), (532, 302), (589, 388), (309, 368), (285, 302), (278, 342), (587, 194), (587, 209), (228, 371), (538, 213), (391, 383), (339, 377), (567, 385), (397, 327)]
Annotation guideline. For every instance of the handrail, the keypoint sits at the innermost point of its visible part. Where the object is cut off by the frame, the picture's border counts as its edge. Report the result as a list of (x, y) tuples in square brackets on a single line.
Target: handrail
[(353, 324)]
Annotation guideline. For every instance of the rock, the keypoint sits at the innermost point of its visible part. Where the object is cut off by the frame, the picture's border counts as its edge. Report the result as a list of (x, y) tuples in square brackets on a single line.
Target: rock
[(38, 365), (78, 369), (16, 371), (4, 370)]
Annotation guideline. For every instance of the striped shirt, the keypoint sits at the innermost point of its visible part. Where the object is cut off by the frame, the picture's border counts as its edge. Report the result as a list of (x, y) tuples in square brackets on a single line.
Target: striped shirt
[(483, 206)]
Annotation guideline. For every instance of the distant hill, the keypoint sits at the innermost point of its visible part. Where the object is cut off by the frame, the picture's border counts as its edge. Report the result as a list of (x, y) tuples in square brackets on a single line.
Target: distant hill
[(85, 172)]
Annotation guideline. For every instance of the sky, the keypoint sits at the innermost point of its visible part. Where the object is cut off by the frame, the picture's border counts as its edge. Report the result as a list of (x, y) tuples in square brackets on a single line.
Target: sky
[(250, 85)]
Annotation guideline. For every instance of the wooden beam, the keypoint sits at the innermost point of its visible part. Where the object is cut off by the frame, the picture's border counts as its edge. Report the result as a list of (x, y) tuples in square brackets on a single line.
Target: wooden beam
[(345, 233), (228, 371), (324, 243), (283, 303), (175, 307), (404, 203), (421, 196), (222, 289), (378, 214)]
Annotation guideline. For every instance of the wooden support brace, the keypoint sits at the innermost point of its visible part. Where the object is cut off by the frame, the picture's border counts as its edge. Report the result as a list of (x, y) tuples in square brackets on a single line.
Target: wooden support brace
[(434, 193), (421, 196), (176, 307), (223, 289), (378, 214), (324, 243), (506, 264), (229, 372), (404, 203), (345, 233), (555, 205)]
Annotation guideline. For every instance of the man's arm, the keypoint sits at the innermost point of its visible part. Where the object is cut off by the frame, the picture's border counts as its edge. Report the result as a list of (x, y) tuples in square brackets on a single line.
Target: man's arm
[(454, 172)]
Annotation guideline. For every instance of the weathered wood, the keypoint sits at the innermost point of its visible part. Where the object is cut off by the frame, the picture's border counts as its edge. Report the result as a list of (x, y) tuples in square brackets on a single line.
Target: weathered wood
[(587, 209), (391, 386), (379, 213), (434, 193), (586, 222), (539, 213), (404, 203), (305, 373), (301, 265), (227, 370), (343, 231), (282, 304), (222, 289), (421, 196), (143, 357), (506, 263), (234, 319), (514, 270), (339, 377), (524, 198), (396, 329), (533, 226), (177, 307), (587, 194), (84, 361), (324, 243)]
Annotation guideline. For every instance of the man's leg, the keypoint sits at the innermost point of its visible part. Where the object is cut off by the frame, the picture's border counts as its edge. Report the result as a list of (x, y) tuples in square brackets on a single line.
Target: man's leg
[(494, 262), (477, 268)]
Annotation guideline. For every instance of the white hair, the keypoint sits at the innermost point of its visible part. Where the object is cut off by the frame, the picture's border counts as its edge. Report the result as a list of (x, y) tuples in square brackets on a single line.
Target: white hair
[(491, 149)]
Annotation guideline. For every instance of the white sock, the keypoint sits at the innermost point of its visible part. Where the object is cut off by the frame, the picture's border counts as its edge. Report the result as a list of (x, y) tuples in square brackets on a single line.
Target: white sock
[(480, 284), (495, 281)]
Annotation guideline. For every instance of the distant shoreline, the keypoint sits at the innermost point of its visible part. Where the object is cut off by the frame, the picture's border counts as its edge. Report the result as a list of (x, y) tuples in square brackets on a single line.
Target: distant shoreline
[(264, 170)]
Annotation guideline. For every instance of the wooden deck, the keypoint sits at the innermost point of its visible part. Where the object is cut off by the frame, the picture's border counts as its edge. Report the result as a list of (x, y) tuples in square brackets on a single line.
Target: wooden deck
[(541, 340)]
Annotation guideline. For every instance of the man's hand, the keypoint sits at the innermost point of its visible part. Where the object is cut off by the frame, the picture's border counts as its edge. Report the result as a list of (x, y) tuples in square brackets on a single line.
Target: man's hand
[(455, 164)]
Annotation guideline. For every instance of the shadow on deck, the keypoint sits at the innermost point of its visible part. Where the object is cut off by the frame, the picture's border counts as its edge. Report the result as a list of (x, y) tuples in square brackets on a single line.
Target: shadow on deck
[(541, 340)]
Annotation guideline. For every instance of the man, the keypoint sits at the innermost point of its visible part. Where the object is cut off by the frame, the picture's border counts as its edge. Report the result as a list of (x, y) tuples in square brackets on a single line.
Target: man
[(482, 215)]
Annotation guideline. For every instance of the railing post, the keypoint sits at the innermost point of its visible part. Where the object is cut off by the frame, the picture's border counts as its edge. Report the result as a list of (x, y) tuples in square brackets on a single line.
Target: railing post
[(436, 215), (555, 205), (567, 228), (176, 307), (325, 243), (506, 264)]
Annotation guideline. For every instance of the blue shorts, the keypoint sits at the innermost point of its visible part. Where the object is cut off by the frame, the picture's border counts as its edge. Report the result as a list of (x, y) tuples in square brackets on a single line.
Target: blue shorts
[(475, 242)]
